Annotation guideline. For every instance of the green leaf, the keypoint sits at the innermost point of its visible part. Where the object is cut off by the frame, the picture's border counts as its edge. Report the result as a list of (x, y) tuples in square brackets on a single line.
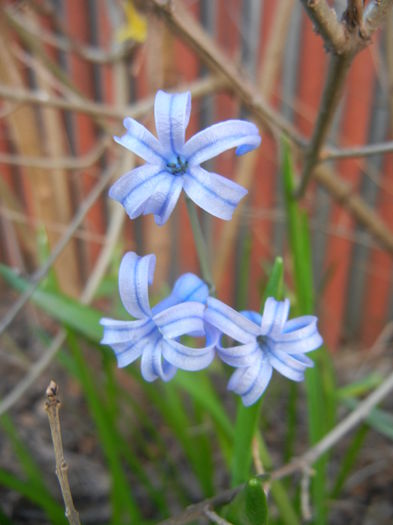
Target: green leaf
[(249, 507), (81, 318)]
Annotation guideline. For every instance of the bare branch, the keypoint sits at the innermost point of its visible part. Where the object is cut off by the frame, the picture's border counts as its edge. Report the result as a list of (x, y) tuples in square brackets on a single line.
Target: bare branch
[(326, 23), (52, 406), (375, 15), (357, 151), (66, 163), (298, 464), (199, 88), (74, 224)]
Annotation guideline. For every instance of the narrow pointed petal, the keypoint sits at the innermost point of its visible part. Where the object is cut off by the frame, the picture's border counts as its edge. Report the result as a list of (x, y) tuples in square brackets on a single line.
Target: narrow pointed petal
[(240, 356), (212, 192), (185, 357), (181, 319), (242, 379), (230, 322), (188, 287), (297, 361), (220, 137), (124, 331), (134, 189), (151, 360), (128, 353), (164, 199), (259, 385), (255, 317), (172, 114), (140, 141), (135, 275), (275, 314), (287, 367)]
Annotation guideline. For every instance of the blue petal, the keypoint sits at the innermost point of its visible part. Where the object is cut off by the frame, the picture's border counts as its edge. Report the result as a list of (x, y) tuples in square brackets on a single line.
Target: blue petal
[(230, 322), (172, 114), (212, 192), (299, 336), (220, 137), (135, 189), (116, 332), (275, 314), (255, 317), (242, 380), (162, 202), (185, 357), (154, 365), (240, 356), (287, 366), (188, 287), (141, 142), (135, 275), (260, 384), (181, 319)]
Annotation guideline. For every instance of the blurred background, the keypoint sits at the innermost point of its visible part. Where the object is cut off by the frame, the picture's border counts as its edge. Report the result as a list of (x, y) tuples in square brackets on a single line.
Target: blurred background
[(70, 71), (67, 71)]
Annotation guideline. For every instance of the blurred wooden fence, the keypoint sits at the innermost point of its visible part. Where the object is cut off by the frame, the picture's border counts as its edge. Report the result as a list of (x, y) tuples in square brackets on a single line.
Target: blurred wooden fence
[(54, 147)]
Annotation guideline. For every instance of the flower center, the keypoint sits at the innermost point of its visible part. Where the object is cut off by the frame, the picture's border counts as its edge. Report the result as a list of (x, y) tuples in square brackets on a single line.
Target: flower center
[(178, 167), (262, 341)]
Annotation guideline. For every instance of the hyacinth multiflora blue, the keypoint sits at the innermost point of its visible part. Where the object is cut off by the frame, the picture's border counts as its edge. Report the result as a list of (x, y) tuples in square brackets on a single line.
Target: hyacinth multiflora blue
[(173, 164)]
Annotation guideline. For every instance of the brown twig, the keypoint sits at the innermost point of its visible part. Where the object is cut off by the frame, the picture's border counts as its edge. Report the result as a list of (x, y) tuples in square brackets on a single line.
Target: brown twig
[(357, 151), (189, 30), (52, 406), (198, 88), (40, 274), (356, 31), (298, 464)]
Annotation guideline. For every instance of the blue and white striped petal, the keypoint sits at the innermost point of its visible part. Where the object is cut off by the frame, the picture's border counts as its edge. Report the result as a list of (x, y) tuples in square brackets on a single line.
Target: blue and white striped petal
[(275, 314), (240, 356), (134, 189), (116, 332), (164, 199), (153, 364), (212, 192), (135, 275), (181, 319), (172, 114), (299, 336), (188, 287), (185, 357), (260, 384), (140, 141), (230, 322), (210, 142)]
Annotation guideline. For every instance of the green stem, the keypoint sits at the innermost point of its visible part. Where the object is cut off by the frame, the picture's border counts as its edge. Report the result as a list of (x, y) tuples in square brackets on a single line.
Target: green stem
[(200, 245)]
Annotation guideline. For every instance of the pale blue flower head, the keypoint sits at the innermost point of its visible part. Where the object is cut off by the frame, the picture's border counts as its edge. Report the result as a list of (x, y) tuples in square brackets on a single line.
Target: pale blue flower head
[(265, 342), (173, 164), (154, 335)]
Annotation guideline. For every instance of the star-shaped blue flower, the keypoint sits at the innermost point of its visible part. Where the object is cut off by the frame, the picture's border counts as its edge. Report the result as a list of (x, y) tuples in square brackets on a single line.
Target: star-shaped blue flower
[(154, 336), (265, 342), (173, 164)]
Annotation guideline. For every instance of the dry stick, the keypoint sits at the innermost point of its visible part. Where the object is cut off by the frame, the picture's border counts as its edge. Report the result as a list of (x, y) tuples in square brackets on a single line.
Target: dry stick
[(52, 406), (67, 163), (74, 224), (298, 464), (181, 22), (198, 89), (357, 151), (356, 34), (179, 19)]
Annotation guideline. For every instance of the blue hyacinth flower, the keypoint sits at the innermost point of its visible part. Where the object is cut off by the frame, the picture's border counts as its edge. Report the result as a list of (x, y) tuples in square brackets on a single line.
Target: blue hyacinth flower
[(265, 342), (154, 335), (173, 164)]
